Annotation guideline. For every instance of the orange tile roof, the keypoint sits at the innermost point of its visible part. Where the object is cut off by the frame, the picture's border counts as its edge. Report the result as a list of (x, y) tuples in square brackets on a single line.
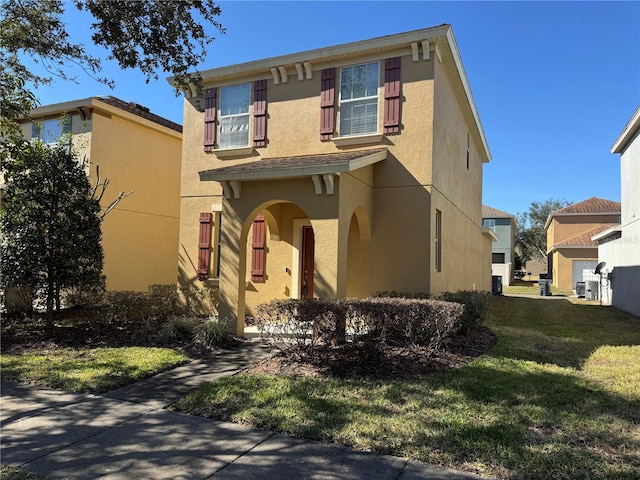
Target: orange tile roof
[(591, 205), (488, 212), (583, 239)]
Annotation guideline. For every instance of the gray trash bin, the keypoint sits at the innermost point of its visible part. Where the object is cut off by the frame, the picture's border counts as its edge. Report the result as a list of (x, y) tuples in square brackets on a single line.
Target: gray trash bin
[(580, 289), (496, 284), (545, 287)]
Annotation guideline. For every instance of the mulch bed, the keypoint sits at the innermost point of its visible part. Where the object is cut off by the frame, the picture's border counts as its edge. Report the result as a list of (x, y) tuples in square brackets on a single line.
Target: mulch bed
[(384, 362)]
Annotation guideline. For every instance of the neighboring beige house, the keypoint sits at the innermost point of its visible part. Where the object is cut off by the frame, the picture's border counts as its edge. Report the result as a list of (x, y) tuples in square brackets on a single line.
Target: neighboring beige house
[(137, 151), (619, 245), (332, 173), (570, 249), (503, 252)]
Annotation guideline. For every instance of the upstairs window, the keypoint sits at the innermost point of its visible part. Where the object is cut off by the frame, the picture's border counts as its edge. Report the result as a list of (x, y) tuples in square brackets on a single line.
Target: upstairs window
[(234, 115), (359, 99), (489, 223), (50, 131)]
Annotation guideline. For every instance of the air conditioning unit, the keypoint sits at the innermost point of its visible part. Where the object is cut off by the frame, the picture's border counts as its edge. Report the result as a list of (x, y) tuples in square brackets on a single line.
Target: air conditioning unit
[(592, 290)]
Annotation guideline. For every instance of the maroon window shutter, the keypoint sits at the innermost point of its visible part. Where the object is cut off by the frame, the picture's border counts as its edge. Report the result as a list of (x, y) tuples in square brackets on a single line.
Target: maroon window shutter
[(260, 113), (392, 96), (258, 244), (327, 100), (204, 245), (210, 111)]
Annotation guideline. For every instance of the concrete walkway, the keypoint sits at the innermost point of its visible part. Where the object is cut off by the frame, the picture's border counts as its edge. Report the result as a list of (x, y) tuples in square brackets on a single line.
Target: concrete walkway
[(128, 434)]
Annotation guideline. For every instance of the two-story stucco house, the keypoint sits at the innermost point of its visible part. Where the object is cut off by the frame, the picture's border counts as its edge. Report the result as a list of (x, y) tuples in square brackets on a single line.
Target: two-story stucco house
[(570, 248), (334, 173), (619, 245), (137, 151), (503, 253)]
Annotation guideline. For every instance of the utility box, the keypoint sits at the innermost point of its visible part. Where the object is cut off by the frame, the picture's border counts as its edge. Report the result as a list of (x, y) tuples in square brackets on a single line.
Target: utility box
[(545, 287), (580, 289), (496, 284)]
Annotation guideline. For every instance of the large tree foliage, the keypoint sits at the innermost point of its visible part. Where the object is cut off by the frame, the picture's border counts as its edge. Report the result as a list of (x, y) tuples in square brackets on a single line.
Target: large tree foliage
[(50, 224), (149, 35), (531, 236)]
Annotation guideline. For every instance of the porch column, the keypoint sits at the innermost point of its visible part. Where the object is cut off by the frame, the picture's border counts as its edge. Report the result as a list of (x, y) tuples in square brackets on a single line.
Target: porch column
[(233, 259), (331, 241)]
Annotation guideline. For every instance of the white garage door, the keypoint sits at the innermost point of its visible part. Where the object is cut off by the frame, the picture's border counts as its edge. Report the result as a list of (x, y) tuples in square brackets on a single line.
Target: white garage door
[(578, 267)]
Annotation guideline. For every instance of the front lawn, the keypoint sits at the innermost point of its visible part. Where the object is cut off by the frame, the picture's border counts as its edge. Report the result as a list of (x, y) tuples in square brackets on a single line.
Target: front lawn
[(89, 370), (557, 397)]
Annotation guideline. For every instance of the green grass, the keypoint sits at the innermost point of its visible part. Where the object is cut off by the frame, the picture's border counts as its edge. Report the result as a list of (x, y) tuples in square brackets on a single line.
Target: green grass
[(557, 397), (94, 370), (11, 473)]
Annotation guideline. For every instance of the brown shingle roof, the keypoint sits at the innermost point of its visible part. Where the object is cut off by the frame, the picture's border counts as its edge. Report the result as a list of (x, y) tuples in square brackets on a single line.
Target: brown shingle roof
[(140, 111), (488, 212), (583, 239), (591, 205), (296, 165)]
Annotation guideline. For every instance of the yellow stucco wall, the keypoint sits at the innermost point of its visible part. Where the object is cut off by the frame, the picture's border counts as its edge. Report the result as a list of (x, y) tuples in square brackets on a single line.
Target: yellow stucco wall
[(388, 245), (562, 228), (563, 265), (139, 236)]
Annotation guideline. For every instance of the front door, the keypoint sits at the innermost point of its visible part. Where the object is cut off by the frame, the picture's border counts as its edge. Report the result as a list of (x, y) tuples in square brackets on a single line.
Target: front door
[(308, 249)]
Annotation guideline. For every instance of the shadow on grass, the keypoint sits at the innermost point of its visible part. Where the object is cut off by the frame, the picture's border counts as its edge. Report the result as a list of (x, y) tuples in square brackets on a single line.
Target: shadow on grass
[(558, 332)]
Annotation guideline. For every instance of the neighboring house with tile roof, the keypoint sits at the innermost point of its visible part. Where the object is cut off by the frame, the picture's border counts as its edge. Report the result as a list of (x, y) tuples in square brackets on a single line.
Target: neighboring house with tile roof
[(619, 245), (570, 249), (333, 173), (137, 151), (503, 253)]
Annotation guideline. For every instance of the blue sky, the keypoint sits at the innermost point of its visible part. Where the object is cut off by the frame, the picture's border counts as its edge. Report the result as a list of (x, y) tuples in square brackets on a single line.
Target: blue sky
[(554, 82)]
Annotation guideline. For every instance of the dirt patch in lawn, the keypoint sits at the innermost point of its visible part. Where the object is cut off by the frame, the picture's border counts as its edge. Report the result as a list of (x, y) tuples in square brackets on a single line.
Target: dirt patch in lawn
[(351, 361)]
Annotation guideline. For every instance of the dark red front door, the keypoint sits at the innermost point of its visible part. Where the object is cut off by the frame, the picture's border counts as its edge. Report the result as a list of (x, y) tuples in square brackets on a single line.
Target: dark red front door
[(308, 248)]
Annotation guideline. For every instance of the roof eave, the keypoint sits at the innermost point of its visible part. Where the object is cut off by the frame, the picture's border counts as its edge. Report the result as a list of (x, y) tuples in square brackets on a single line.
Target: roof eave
[(627, 133), (293, 171), (441, 33)]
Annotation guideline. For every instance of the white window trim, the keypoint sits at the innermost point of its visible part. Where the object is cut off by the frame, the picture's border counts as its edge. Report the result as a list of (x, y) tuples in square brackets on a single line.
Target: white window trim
[(352, 100), (359, 139), (238, 149)]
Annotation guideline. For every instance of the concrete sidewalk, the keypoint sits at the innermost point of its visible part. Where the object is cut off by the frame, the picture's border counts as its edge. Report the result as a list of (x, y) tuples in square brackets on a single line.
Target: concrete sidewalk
[(128, 434)]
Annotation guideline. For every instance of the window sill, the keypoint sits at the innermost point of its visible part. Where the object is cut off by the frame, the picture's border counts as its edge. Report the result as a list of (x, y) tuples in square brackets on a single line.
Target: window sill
[(359, 140), (233, 152), (212, 282)]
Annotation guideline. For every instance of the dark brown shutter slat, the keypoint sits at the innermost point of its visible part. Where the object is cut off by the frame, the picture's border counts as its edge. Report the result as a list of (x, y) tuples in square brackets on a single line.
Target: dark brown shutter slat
[(210, 112), (260, 113), (204, 245), (258, 250), (392, 96), (327, 103)]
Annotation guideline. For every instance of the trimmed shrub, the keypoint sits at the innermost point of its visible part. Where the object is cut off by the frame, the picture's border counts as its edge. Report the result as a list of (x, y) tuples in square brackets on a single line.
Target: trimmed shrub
[(394, 294), (402, 321), (476, 304), (302, 326)]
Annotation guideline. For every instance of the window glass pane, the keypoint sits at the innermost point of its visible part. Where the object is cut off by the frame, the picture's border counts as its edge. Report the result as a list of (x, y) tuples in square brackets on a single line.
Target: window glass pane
[(234, 131), (234, 100), (50, 130), (359, 81), (359, 117)]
